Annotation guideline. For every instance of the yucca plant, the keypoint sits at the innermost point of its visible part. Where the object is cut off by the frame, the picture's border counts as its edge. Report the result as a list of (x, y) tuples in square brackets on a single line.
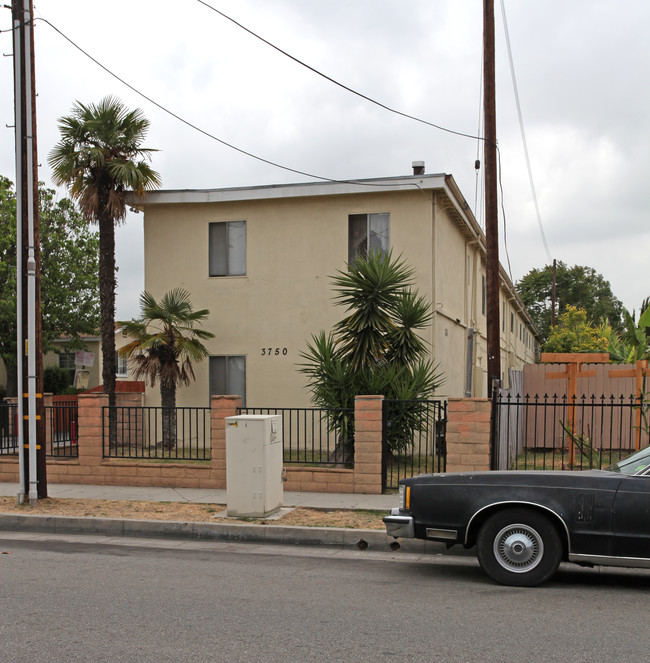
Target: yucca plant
[(374, 349)]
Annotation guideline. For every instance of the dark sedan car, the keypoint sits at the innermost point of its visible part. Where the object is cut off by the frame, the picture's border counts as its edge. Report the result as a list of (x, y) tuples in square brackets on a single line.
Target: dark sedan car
[(524, 524)]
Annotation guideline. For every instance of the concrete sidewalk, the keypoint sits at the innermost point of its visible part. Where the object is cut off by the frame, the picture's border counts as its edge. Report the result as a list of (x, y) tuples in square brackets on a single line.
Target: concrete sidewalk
[(207, 496), (116, 529)]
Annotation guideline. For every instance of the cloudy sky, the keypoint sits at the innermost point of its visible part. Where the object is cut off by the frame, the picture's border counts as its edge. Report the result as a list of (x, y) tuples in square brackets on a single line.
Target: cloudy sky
[(582, 70)]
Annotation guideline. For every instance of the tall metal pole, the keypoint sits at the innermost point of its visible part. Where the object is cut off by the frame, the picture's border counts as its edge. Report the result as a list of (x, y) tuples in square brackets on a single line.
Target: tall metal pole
[(491, 203), (23, 488), (33, 467)]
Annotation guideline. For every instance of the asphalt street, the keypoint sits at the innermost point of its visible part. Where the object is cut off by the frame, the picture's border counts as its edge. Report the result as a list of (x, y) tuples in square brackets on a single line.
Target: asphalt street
[(89, 598)]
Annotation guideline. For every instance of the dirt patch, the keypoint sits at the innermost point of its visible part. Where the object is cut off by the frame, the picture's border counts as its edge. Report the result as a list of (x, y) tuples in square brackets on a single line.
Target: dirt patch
[(184, 512)]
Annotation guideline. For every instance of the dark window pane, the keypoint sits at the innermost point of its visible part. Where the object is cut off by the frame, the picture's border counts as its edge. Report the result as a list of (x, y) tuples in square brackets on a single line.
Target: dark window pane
[(357, 236), (218, 249)]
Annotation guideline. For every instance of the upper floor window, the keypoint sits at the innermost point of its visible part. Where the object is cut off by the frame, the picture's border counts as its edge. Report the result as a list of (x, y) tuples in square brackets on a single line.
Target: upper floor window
[(367, 233), (227, 247)]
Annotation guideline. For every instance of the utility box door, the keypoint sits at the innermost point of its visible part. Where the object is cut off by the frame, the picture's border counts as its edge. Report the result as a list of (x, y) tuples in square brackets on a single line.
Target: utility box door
[(254, 464)]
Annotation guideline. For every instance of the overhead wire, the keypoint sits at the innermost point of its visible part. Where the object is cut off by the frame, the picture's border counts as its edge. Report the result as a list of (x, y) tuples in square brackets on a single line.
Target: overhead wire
[(523, 133), (203, 131), (334, 81)]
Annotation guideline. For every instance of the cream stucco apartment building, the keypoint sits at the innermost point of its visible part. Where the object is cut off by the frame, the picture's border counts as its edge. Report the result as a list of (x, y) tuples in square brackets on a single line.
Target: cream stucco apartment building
[(260, 259)]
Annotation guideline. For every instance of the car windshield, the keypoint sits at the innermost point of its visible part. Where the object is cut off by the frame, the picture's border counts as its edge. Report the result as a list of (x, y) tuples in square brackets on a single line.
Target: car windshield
[(632, 464)]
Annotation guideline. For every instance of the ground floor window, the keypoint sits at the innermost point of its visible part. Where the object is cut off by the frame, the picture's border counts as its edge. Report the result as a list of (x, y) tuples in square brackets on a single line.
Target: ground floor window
[(66, 361), (228, 376), (121, 366)]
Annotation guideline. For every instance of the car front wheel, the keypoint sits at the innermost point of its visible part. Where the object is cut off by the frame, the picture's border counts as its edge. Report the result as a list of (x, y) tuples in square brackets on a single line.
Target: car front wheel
[(519, 547)]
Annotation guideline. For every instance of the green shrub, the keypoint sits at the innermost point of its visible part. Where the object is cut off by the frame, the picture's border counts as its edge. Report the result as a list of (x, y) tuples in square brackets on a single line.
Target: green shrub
[(56, 380)]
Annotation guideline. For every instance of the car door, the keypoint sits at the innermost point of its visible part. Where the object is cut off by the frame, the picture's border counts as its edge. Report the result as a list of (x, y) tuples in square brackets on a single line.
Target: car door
[(632, 517)]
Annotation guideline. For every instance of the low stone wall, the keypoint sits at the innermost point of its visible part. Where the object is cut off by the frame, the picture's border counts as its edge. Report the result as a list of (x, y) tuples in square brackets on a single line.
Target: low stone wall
[(468, 449)]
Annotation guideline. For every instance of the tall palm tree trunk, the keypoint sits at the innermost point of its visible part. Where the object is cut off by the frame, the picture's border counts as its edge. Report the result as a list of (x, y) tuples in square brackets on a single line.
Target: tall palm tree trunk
[(168, 402), (107, 309)]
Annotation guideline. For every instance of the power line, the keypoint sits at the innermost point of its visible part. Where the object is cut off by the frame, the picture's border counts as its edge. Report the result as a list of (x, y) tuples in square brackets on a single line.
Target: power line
[(203, 131), (335, 82), (523, 133)]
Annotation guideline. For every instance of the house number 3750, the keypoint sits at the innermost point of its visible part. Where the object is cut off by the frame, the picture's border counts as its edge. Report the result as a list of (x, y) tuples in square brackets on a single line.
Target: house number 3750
[(274, 352)]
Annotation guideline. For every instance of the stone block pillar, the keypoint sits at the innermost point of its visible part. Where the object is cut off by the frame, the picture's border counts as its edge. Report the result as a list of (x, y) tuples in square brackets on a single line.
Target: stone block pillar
[(91, 429), (468, 434), (220, 408), (368, 423)]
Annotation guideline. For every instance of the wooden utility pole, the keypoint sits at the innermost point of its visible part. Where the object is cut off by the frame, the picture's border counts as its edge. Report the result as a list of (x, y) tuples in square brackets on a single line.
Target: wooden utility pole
[(491, 203), (29, 336)]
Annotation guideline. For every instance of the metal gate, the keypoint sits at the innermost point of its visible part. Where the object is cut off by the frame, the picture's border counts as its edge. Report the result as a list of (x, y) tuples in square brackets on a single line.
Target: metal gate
[(413, 439)]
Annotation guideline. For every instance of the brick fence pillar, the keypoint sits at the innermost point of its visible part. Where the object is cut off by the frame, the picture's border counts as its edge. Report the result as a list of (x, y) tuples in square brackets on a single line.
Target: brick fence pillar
[(91, 428), (368, 418), (468, 434), (220, 408)]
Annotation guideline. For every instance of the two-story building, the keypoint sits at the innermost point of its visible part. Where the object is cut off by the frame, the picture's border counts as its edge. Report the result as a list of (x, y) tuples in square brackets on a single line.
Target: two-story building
[(260, 259)]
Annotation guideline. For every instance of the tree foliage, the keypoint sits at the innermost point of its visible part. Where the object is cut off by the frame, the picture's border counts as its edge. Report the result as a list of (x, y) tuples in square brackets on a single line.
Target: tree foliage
[(165, 343), (375, 348), (69, 280), (633, 343), (100, 159), (577, 286), (574, 334)]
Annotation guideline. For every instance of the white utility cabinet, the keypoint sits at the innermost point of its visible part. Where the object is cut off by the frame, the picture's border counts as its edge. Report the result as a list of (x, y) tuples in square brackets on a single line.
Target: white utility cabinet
[(254, 464)]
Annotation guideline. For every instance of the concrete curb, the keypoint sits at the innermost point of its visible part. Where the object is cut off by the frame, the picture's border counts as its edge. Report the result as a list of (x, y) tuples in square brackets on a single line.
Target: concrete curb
[(375, 540)]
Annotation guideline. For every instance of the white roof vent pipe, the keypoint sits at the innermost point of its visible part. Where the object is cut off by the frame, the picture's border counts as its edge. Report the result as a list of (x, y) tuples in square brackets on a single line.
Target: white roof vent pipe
[(418, 167)]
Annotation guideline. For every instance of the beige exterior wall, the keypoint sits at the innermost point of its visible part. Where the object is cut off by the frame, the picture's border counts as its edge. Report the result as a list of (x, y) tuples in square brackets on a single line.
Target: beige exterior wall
[(295, 242)]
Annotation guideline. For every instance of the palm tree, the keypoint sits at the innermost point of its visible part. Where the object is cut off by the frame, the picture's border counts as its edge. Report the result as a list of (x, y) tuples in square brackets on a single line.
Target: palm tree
[(164, 346), (100, 159)]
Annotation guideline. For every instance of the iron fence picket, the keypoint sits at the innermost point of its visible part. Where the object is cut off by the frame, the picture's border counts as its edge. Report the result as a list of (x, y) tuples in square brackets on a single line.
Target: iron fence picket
[(140, 433), (8, 428), (424, 451), (62, 423), (310, 436), (604, 430)]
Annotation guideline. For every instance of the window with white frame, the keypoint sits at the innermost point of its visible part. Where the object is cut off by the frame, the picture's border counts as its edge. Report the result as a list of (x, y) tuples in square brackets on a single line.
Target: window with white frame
[(367, 234), (228, 376), (227, 248), (121, 366)]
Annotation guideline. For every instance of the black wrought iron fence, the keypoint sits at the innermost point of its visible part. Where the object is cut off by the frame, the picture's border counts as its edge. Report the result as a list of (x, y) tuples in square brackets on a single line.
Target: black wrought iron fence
[(8, 428), (414, 439), (558, 432), (62, 430), (181, 433), (314, 436)]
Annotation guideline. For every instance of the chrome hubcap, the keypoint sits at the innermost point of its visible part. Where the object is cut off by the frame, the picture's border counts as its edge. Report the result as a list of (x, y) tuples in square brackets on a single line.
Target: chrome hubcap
[(518, 548)]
